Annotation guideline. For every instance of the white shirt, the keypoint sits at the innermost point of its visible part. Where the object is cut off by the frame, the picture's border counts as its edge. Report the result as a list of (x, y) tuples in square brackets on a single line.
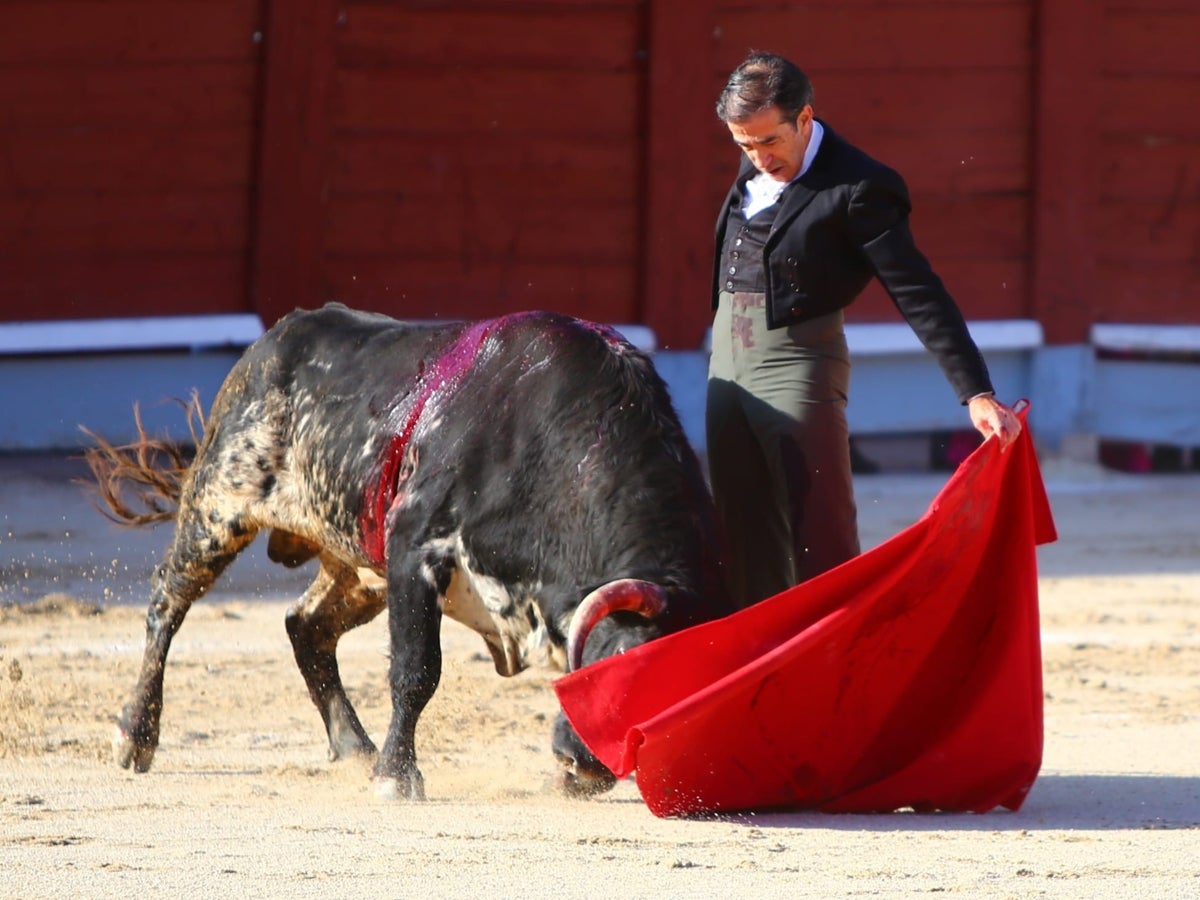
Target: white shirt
[(762, 190)]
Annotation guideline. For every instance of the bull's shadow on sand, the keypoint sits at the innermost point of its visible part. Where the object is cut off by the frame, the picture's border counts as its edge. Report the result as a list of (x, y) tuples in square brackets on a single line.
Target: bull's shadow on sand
[(1057, 803)]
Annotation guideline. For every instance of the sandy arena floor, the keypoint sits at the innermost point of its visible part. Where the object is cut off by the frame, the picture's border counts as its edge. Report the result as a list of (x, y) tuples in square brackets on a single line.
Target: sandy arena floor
[(242, 803)]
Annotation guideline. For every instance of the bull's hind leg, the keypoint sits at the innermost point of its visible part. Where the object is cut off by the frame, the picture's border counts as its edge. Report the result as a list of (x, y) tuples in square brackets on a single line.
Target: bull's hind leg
[(203, 546), (337, 601)]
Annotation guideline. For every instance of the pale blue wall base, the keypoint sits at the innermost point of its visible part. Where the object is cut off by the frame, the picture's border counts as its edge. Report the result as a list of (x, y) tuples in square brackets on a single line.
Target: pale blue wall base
[(47, 398), (894, 391)]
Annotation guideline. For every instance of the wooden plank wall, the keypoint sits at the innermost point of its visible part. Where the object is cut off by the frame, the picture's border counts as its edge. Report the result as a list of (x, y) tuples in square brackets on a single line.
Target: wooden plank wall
[(1067, 102), (468, 157), (485, 157), (128, 131), (1147, 230), (680, 203), (1117, 165), (295, 131)]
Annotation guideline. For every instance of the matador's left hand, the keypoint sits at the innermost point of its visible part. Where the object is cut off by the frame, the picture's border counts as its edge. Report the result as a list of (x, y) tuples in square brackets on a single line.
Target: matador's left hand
[(991, 417)]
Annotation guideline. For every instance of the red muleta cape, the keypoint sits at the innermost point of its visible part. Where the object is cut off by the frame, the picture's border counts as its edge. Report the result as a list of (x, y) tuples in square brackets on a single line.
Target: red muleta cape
[(909, 676)]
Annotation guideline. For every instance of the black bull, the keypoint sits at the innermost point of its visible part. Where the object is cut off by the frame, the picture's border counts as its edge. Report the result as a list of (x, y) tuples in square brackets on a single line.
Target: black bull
[(526, 476)]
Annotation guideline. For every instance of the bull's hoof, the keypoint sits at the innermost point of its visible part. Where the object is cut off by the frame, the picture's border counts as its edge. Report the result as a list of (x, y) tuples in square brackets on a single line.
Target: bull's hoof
[(128, 753), (410, 788), (582, 785)]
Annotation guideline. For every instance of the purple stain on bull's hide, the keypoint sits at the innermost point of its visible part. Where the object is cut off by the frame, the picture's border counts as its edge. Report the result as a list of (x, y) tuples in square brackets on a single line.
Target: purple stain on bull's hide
[(436, 382), (607, 332)]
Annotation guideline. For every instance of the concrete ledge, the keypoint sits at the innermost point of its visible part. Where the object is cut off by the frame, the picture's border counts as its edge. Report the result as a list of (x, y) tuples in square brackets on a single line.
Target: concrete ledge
[(91, 372), (64, 374), (1148, 339), (110, 335), (888, 338), (1148, 394), (897, 386)]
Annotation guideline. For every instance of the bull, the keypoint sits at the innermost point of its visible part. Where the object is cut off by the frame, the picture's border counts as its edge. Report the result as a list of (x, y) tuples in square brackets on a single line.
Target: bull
[(526, 476)]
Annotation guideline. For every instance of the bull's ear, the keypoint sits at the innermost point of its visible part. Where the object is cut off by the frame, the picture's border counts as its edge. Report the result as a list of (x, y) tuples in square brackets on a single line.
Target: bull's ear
[(289, 549)]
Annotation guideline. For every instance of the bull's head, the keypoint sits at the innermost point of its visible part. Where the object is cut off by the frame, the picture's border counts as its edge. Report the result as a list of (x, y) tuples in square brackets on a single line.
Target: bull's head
[(583, 774)]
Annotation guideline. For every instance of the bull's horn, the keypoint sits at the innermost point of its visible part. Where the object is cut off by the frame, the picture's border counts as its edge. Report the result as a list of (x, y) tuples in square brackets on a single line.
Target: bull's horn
[(628, 594)]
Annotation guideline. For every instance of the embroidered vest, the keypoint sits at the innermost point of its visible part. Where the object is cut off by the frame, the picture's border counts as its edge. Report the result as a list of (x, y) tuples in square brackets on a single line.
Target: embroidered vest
[(742, 266)]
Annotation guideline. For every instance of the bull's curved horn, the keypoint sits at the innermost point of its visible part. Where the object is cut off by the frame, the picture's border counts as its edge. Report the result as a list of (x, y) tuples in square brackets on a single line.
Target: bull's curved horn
[(627, 594)]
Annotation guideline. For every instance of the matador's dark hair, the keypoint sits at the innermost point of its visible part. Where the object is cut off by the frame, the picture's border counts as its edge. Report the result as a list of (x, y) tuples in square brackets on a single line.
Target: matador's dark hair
[(761, 81)]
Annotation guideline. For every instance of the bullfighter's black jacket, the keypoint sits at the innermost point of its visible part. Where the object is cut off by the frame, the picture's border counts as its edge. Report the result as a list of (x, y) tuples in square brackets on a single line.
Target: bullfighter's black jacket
[(840, 224)]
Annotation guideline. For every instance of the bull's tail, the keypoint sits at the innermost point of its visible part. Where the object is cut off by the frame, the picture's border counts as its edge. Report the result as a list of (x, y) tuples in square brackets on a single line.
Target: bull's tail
[(140, 483)]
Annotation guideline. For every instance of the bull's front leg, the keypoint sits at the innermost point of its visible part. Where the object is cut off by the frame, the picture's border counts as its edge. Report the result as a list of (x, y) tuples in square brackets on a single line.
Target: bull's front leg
[(414, 623)]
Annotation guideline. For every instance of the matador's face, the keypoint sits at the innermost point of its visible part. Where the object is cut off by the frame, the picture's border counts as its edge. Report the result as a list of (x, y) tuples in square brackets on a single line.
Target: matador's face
[(774, 143)]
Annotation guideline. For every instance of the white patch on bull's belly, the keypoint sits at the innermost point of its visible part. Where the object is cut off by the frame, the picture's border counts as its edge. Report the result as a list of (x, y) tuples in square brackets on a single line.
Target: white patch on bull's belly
[(511, 625)]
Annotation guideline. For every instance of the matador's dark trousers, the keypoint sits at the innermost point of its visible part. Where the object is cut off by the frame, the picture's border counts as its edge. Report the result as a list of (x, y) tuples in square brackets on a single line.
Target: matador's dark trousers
[(779, 447)]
